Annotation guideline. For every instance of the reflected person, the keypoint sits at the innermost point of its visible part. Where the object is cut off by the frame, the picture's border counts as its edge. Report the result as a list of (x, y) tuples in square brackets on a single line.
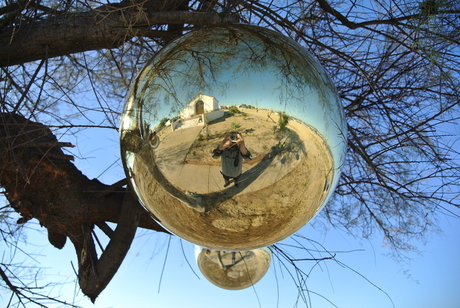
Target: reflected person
[(231, 150)]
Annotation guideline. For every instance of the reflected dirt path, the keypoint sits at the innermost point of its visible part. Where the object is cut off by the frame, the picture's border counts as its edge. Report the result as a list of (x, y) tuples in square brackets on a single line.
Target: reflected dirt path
[(280, 191)]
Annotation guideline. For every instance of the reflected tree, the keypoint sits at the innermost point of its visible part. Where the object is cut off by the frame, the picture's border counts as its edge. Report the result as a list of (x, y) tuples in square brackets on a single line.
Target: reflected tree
[(395, 65)]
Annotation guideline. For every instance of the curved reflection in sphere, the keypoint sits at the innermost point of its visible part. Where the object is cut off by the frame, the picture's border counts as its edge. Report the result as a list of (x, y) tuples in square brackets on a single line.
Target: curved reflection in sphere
[(182, 158), (233, 270)]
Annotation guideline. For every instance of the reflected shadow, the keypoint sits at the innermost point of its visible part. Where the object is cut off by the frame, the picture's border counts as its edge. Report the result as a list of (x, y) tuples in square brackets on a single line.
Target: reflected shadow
[(295, 147), (203, 80), (205, 202)]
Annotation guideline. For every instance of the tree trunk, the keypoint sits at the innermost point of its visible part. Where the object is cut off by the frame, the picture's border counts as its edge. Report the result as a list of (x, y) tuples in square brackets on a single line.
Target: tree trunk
[(105, 27), (41, 182)]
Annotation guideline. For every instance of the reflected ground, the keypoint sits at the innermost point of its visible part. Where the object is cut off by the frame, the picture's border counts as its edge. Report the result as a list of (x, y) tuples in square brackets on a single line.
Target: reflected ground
[(233, 270), (282, 187)]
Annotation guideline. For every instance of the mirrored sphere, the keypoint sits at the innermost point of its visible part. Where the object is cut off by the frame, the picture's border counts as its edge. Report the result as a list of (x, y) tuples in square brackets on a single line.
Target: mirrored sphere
[(233, 270), (233, 137)]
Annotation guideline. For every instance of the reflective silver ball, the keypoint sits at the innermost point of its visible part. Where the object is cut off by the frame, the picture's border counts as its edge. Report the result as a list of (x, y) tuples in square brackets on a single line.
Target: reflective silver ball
[(233, 270), (233, 137)]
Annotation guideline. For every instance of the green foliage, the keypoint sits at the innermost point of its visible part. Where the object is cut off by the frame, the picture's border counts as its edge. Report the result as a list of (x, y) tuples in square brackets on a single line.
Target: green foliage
[(234, 110), (235, 126), (431, 7), (200, 137), (283, 120)]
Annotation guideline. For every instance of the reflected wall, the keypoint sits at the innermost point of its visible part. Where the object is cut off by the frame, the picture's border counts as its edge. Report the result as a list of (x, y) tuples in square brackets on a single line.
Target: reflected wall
[(177, 127)]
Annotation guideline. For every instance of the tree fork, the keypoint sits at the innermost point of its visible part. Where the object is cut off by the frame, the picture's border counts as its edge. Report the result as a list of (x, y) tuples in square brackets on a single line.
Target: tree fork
[(42, 183)]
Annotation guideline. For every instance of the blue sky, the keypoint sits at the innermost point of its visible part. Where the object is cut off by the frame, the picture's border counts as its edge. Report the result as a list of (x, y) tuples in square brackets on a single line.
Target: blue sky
[(428, 280), (160, 271), (366, 276)]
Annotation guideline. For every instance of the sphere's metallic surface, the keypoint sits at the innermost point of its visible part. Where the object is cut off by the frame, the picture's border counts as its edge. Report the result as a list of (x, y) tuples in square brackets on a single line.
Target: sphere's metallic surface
[(233, 270), (290, 137)]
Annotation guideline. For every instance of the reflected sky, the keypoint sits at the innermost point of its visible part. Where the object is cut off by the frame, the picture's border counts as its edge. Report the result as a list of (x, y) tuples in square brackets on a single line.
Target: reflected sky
[(241, 66), (290, 169)]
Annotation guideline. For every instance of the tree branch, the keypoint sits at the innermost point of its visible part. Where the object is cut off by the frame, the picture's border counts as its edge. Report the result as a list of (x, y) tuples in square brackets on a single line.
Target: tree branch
[(108, 26), (94, 275), (326, 7), (41, 183)]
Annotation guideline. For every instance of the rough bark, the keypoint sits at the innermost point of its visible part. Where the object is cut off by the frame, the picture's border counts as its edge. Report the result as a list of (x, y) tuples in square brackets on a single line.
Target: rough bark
[(108, 26), (42, 183)]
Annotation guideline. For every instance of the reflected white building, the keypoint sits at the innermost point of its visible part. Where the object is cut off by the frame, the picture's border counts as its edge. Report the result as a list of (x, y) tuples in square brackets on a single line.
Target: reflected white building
[(199, 111)]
